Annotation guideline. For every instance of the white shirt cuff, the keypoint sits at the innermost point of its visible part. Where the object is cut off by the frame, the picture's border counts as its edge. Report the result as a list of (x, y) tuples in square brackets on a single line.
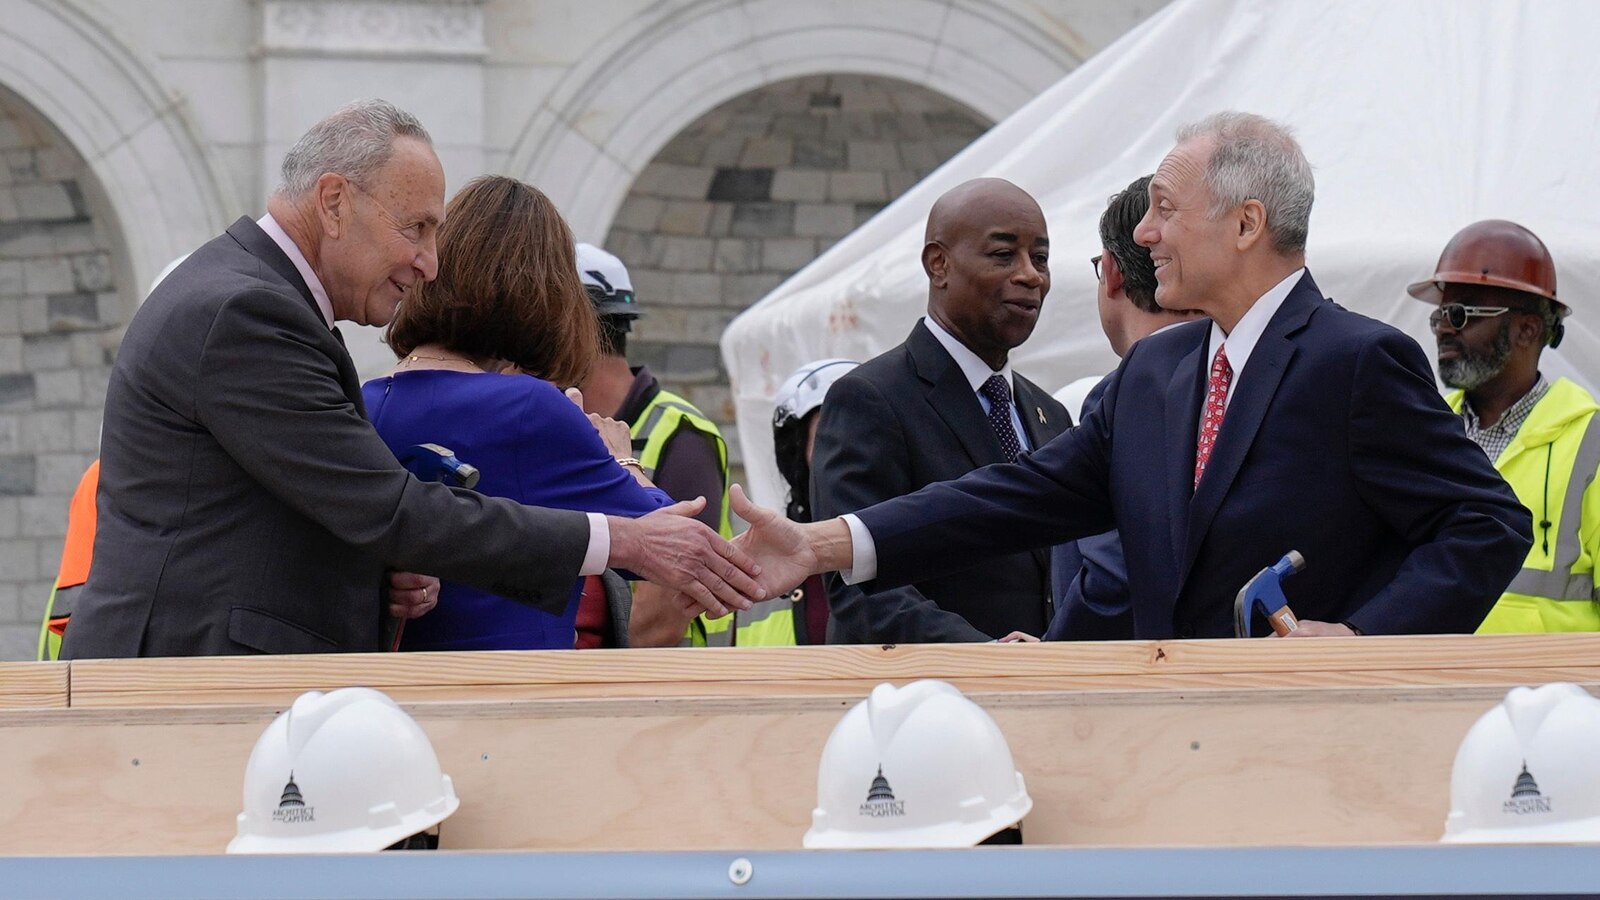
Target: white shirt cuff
[(594, 561), (863, 553)]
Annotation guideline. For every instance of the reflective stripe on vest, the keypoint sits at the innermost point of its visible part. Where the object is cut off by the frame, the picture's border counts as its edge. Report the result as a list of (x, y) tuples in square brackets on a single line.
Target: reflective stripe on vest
[(1561, 584), (655, 426), (769, 623)]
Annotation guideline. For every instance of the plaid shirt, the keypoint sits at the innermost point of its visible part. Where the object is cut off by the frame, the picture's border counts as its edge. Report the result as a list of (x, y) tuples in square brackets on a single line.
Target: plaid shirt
[(1497, 437)]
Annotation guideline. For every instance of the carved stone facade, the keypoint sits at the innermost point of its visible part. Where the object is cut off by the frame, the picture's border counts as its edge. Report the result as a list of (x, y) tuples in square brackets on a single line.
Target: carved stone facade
[(132, 132)]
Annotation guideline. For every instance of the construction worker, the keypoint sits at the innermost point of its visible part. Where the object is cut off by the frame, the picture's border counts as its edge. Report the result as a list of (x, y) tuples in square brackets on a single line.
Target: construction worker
[(343, 772), (1525, 772), (917, 766), (682, 452), (1495, 289), (798, 409), (74, 571)]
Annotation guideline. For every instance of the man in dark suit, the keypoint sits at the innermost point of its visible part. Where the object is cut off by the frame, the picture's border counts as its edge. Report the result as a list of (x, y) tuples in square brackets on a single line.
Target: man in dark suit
[(245, 503), (1285, 423), (1090, 576), (941, 404)]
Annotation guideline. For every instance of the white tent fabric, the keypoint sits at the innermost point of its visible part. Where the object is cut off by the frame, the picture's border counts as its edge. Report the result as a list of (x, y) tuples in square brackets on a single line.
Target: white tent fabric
[(1418, 116)]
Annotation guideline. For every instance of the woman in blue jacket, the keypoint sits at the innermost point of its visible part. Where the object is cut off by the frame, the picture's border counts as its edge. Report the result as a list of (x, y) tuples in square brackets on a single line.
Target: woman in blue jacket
[(482, 349)]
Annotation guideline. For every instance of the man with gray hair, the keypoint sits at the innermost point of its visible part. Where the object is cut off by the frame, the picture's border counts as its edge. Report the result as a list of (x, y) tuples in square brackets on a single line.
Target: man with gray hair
[(1283, 423), (247, 506)]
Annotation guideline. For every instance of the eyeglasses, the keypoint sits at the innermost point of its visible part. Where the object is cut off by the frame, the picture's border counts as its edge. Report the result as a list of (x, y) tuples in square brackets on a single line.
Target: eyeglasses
[(1095, 261), (1457, 315)]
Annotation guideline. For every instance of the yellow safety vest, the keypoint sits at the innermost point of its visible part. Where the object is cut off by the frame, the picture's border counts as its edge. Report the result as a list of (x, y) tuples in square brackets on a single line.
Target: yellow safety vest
[(767, 624), (1551, 464)]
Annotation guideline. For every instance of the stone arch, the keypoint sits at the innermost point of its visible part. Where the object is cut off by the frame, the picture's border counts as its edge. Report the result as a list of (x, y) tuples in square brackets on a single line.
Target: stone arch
[(666, 67), (166, 192), (751, 192)]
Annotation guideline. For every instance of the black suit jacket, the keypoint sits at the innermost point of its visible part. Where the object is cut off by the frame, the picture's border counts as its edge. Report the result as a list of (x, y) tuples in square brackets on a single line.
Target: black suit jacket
[(1336, 443), (245, 503), (903, 420)]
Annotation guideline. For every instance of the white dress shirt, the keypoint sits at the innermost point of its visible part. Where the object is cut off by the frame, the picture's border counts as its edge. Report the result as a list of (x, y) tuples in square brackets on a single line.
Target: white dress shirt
[(1241, 341), (599, 552)]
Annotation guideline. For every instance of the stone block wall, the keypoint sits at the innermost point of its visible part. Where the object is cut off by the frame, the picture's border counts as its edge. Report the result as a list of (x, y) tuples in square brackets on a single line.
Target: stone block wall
[(59, 313), (753, 191)]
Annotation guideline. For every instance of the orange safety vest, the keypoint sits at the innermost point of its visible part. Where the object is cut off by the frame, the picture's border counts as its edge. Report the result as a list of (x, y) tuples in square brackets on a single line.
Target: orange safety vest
[(75, 558)]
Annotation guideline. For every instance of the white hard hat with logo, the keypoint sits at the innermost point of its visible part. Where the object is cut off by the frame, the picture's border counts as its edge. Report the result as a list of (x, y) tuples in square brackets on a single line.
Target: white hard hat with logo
[(804, 389), (343, 772), (1527, 770), (918, 766)]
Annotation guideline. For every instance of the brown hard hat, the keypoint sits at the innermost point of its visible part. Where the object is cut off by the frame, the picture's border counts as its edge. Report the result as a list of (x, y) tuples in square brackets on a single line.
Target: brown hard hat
[(1496, 253)]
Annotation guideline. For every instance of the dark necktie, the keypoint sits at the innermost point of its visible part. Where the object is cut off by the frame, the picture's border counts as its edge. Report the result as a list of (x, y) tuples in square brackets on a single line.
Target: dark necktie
[(999, 394), (1216, 408)]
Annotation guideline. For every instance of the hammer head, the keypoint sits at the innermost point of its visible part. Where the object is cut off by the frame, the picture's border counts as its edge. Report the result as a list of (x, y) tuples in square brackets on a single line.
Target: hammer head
[(1264, 592), (431, 462)]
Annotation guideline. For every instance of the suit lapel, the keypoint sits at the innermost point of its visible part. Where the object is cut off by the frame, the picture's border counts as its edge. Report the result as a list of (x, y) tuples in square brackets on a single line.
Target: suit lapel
[(1040, 423), (1246, 412), (1184, 392), (952, 398)]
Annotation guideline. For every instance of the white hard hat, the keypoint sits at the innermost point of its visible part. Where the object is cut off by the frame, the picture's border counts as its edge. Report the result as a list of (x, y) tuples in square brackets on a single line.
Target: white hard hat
[(1526, 772), (606, 279), (918, 766), (344, 772), (804, 389)]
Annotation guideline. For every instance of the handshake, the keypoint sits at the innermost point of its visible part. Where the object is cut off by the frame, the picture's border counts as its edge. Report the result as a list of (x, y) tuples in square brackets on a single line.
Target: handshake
[(712, 576)]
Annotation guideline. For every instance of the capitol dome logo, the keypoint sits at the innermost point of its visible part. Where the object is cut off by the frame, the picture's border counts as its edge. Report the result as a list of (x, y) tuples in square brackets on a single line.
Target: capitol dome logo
[(1525, 796), (880, 803), (292, 808)]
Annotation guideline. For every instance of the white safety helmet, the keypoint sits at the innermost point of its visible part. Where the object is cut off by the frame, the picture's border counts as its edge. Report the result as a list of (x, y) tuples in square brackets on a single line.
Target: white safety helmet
[(804, 389), (918, 766), (344, 772), (606, 279), (1527, 773)]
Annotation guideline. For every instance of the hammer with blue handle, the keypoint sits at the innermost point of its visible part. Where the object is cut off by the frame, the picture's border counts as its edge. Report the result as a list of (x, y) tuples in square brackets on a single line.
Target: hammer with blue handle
[(1265, 592), (430, 462)]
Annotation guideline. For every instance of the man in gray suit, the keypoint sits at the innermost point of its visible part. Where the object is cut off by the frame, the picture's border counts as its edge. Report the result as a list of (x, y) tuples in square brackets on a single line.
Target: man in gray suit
[(247, 506)]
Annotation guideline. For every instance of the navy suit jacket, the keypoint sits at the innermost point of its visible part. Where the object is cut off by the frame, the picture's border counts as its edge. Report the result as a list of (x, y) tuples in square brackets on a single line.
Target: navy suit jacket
[(1089, 579), (1336, 443)]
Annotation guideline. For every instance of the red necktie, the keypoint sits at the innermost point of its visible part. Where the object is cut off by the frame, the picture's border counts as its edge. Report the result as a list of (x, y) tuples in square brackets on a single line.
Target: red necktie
[(1216, 408)]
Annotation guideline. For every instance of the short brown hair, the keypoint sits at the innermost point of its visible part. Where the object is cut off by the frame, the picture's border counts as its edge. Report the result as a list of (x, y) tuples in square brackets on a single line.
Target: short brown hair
[(507, 288)]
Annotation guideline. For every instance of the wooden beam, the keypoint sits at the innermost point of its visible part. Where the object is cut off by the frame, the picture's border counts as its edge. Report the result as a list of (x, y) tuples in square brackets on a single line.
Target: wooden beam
[(1162, 665), (33, 685)]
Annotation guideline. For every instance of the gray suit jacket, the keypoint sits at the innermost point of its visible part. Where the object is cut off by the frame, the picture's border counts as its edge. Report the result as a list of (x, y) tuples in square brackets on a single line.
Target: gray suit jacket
[(245, 503)]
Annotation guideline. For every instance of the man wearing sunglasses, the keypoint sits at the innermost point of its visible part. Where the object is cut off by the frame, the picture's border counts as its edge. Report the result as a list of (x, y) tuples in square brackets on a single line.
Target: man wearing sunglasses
[(1495, 287)]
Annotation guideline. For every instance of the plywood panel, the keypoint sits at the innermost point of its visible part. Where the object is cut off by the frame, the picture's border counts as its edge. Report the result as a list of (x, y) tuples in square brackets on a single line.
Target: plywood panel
[(1316, 765)]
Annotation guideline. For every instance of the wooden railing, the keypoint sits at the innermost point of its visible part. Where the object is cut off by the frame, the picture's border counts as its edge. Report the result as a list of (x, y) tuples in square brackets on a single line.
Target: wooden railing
[(1331, 741)]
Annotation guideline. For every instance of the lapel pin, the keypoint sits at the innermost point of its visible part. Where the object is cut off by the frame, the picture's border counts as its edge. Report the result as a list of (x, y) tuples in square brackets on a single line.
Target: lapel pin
[(1040, 411)]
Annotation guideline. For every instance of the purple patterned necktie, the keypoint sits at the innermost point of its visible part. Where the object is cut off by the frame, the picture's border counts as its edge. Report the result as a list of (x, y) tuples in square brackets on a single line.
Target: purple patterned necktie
[(999, 394)]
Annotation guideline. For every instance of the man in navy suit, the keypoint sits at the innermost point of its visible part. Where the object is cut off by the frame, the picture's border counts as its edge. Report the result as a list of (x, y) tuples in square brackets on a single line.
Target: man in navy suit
[(1089, 577), (1284, 423)]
